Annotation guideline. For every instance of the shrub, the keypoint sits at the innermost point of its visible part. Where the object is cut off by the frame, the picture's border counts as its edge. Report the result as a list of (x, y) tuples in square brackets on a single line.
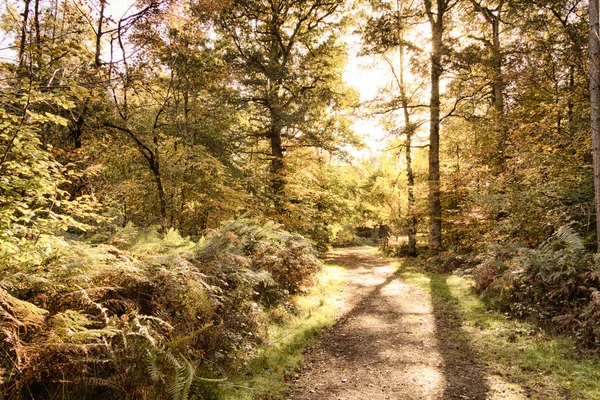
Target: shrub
[(151, 318), (557, 285), (493, 264), (448, 262), (348, 236)]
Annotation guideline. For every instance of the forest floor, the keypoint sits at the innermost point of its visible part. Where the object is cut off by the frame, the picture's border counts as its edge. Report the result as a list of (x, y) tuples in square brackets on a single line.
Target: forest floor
[(398, 338)]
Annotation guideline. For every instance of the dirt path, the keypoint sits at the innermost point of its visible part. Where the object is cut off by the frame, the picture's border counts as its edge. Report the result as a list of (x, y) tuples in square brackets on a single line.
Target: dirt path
[(391, 343)]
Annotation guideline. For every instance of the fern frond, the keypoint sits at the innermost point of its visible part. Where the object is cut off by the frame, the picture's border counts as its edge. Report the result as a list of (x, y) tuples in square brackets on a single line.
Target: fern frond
[(20, 312), (181, 382), (153, 370), (259, 277), (565, 237), (570, 237), (155, 319), (190, 373)]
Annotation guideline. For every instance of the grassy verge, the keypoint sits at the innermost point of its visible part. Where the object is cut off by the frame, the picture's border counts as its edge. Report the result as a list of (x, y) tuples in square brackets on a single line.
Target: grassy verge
[(521, 362), (282, 354)]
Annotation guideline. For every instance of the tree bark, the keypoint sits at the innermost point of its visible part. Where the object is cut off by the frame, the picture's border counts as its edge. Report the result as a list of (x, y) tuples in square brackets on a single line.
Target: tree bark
[(23, 43), (435, 206), (162, 199), (277, 58), (595, 105), (411, 219), (570, 102), (277, 164), (38, 35), (410, 188), (494, 19), (77, 130), (99, 33), (498, 84)]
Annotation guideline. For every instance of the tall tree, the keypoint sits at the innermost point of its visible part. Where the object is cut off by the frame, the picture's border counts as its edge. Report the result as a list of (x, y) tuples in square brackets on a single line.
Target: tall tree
[(594, 12), (533, 167), (290, 64), (409, 131), (493, 16), (384, 35), (436, 16)]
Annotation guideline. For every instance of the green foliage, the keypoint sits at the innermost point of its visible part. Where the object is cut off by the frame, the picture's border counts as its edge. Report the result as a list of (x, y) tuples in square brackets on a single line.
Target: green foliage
[(265, 376), (32, 196), (180, 133), (289, 258), (321, 196), (173, 374)]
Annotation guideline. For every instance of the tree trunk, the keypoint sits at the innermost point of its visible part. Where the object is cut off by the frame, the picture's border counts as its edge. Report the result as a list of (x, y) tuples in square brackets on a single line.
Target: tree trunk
[(276, 126), (152, 158), (155, 167), (77, 130), (570, 103), (498, 85), (38, 35), (497, 63), (99, 34), (435, 207), (162, 199), (494, 18), (595, 104), (411, 219), (23, 35), (277, 164)]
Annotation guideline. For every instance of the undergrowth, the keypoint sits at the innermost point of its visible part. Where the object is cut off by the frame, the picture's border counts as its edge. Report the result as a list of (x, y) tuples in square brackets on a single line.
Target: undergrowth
[(266, 375), (146, 316), (556, 285)]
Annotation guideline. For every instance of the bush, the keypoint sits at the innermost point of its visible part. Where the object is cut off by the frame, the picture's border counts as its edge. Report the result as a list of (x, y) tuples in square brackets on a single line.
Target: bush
[(349, 236), (151, 318), (448, 262), (557, 285), (493, 264)]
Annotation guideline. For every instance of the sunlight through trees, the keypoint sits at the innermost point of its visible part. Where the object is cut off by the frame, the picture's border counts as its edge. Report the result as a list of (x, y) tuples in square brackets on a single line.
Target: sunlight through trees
[(162, 121)]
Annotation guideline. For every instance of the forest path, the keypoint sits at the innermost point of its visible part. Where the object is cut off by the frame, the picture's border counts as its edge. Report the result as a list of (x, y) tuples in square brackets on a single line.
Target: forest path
[(390, 343)]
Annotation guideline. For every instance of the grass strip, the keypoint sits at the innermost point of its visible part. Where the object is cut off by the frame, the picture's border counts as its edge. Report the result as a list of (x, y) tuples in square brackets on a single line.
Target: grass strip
[(278, 360), (521, 361)]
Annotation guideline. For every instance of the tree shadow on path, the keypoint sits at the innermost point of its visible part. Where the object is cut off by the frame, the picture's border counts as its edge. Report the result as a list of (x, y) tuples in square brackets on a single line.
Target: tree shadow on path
[(465, 375), (394, 341)]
